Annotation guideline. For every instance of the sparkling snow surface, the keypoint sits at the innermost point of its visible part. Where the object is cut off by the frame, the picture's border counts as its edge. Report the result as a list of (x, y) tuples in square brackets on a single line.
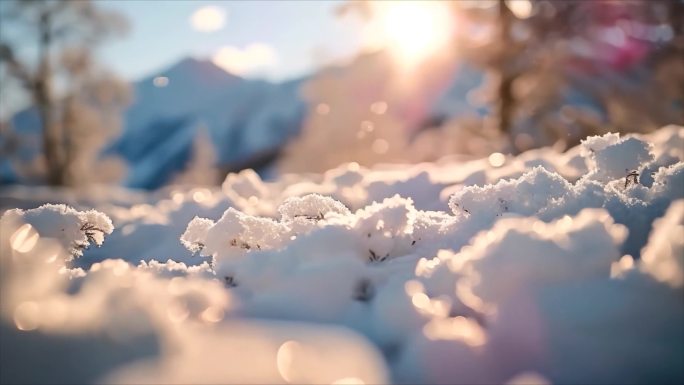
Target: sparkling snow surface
[(549, 268)]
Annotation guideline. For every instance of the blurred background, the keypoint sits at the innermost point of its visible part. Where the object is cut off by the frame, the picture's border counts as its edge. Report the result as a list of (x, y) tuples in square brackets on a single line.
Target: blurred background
[(145, 94)]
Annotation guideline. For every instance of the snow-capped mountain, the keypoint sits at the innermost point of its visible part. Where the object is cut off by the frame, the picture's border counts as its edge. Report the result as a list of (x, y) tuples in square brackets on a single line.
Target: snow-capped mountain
[(249, 121), (246, 120), (243, 117)]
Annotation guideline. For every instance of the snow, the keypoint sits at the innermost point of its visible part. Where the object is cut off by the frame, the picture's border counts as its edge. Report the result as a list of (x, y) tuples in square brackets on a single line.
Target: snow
[(663, 256), (243, 117), (569, 249), (610, 156), (549, 268), (311, 207), (74, 230)]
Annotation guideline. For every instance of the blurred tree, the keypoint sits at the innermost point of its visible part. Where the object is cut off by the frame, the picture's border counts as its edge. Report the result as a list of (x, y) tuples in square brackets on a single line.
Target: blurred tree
[(340, 128), (201, 169), (363, 111), (668, 59), (47, 46), (506, 74), (623, 58), (519, 45)]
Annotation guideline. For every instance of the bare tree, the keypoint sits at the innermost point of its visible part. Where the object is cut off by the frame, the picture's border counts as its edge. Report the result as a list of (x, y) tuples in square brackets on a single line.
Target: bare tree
[(47, 46)]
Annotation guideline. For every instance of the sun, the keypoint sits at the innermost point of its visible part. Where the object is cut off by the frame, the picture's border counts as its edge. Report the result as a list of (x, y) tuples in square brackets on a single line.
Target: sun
[(413, 30)]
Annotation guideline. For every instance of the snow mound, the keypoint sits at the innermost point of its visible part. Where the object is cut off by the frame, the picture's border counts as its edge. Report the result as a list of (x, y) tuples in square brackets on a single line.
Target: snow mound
[(663, 256), (554, 268), (524, 196), (311, 207), (234, 234), (74, 230), (611, 157), (569, 249)]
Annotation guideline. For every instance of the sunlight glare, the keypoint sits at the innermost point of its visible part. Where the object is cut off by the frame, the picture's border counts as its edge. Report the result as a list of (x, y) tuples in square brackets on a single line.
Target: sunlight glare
[(413, 30)]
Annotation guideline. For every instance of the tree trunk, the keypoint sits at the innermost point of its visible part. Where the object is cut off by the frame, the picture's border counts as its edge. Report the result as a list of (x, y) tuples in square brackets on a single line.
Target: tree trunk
[(68, 123), (506, 104), (676, 21), (506, 100), (52, 146)]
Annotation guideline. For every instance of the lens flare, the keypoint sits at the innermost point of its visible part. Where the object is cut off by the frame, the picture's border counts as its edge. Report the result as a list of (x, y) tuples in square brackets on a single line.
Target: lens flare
[(285, 359), (414, 30)]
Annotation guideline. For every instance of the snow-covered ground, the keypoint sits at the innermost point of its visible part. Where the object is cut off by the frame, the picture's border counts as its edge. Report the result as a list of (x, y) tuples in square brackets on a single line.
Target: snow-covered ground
[(546, 267)]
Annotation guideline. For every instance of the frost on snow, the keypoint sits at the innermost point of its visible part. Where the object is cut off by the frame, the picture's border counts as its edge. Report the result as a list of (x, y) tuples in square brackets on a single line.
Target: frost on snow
[(73, 230), (554, 268)]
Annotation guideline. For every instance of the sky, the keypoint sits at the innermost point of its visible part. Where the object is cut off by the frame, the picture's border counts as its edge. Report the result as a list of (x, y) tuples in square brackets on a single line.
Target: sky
[(276, 40), (273, 40)]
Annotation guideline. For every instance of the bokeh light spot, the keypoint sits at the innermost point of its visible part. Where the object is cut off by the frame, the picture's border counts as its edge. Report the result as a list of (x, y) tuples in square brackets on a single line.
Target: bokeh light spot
[(378, 108), (285, 359), (24, 239), (497, 159), (208, 19), (322, 109), (380, 146), (160, 81), (26, 316)]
